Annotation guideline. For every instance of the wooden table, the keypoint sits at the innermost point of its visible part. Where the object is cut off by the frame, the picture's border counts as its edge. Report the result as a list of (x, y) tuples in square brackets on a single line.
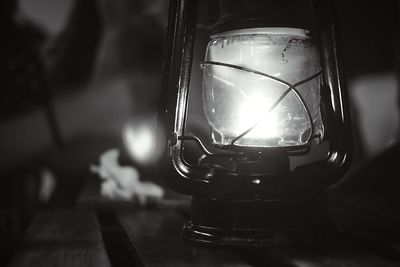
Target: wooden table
[(152, 237)]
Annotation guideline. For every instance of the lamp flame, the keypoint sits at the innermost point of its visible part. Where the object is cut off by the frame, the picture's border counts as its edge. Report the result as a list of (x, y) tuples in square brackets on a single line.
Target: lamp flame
[(253, 110)]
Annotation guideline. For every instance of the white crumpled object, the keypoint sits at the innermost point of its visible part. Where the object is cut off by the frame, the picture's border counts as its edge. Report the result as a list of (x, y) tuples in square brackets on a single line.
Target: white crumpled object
[(122, 182)]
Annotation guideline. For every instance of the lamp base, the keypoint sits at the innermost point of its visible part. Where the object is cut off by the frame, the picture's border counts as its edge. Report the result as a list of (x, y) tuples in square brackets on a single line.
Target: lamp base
[(237, 238), (257, 223)]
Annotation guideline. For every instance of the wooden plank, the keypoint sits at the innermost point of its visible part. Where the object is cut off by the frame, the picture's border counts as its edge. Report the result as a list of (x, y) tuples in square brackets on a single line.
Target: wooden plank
[(328, 255), (156, 238), (62, 238)]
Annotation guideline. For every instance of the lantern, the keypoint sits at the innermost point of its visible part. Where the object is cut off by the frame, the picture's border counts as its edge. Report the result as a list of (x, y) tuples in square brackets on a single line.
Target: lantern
[(256, 116)]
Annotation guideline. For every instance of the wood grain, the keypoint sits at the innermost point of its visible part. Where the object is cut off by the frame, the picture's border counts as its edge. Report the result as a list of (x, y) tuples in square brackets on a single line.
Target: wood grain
[(152, 237), (156, 238), (62, 238), (328, 255)]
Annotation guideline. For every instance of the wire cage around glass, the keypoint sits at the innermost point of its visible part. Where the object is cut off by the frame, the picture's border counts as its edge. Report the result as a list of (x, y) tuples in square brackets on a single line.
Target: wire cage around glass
[(256, 112), (250, 101)]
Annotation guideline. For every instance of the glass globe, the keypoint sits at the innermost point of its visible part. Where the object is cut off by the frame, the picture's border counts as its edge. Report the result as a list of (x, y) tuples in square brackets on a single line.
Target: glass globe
[(261, 88)]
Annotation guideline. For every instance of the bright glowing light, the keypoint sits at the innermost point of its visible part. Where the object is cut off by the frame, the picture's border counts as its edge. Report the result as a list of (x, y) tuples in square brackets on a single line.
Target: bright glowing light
[(254, 110), (140, 141), (247, 71)]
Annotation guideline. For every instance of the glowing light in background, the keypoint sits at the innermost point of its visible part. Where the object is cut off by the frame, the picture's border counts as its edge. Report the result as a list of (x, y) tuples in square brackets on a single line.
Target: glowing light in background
[(140, 139)]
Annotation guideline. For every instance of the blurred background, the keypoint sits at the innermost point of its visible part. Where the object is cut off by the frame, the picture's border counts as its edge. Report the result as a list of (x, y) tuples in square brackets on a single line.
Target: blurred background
[(81, 77)]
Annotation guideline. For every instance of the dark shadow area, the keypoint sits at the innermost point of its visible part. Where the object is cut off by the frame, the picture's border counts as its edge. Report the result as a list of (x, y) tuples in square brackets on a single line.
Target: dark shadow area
[(71, 92), (119, 250)]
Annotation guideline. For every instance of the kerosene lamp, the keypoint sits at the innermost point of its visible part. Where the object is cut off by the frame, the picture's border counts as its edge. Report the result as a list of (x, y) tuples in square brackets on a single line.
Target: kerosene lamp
[(256, 116)]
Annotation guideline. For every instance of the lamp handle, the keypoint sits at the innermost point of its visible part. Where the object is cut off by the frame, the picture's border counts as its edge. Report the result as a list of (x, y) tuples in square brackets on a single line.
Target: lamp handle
[(178, 51)]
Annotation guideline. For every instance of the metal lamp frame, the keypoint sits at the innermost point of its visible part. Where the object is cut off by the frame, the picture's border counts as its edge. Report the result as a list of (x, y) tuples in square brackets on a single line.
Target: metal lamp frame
[(244, 215), (175, 91)]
